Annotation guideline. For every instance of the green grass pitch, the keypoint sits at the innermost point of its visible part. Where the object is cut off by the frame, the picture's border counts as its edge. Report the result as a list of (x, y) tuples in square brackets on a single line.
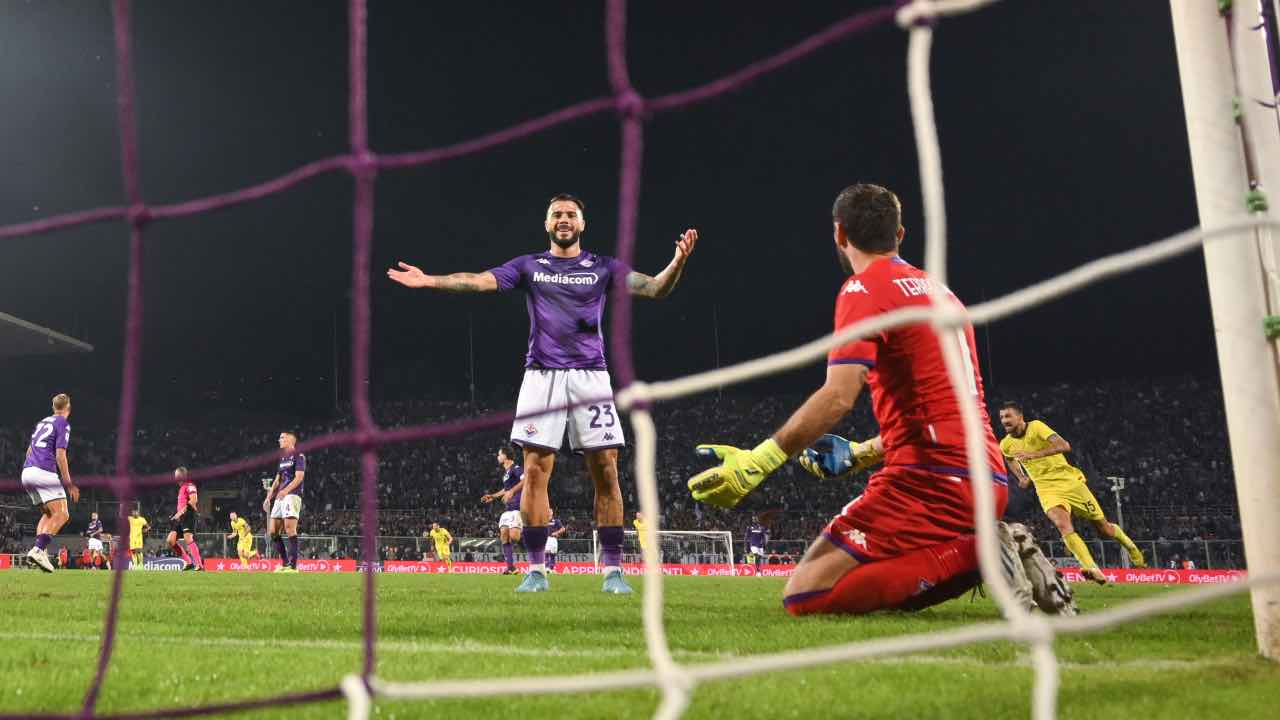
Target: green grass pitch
[(203, 638)]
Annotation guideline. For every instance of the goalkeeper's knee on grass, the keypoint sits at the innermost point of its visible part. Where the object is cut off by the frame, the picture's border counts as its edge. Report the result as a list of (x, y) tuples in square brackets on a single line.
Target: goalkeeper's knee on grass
[(913, 581)]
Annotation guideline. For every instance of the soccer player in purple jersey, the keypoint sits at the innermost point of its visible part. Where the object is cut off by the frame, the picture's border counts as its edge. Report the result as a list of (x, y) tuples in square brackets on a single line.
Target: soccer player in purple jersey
[(287, 491), (510, 523), (757, 537), (554, 531), (566, 288), (94, 533), (46, 458)]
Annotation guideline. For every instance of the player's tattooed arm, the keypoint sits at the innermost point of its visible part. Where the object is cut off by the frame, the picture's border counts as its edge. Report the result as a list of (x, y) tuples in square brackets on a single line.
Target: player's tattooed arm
[(462, 282), (660, 286)]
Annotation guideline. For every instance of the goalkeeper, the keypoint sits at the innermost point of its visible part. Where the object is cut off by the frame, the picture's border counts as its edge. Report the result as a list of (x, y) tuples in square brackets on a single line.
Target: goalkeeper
[(908, 541)]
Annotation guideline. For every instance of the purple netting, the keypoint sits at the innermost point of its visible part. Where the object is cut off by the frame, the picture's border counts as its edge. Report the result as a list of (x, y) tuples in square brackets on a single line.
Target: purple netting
[(363, 164)]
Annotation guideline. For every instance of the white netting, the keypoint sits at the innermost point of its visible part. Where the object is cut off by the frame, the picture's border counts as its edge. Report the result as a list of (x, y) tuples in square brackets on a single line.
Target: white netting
[(677, 681)]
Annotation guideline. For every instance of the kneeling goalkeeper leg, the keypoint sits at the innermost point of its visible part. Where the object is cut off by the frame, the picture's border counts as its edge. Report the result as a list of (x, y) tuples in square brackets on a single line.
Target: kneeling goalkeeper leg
[(905, 582)]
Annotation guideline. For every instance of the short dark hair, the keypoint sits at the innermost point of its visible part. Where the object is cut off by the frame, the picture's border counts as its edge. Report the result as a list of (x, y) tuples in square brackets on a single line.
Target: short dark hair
[(870, 215), (1011, 405), (508, 451), (566, 197)]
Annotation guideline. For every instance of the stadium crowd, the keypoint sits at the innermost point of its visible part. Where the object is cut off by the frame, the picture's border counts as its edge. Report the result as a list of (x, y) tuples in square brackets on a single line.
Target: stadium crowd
[(1166, 436)]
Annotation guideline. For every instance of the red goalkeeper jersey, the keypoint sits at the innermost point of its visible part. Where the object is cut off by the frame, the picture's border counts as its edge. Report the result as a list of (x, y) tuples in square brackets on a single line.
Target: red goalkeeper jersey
[(911, 394)]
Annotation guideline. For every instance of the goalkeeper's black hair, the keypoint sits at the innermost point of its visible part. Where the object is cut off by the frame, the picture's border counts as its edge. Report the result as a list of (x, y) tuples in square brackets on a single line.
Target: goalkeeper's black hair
[(870, 215), (508, 451)]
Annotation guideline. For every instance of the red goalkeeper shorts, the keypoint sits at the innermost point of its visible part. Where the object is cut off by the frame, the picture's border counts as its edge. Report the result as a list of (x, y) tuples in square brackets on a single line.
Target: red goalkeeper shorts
[(905, 509)]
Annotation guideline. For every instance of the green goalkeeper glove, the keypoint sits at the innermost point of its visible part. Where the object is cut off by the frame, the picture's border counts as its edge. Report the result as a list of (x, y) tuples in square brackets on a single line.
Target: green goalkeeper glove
[(833, 457), (742, 470)]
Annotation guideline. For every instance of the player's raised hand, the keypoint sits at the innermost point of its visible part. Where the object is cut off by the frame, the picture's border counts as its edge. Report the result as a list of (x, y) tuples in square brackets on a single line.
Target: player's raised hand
[(740, 472), (408, 275), (684, 246)]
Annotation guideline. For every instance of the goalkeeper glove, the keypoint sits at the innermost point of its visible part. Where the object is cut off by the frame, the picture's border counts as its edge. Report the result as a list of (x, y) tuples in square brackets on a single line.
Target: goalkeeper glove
[(742, 470), (834, 457)]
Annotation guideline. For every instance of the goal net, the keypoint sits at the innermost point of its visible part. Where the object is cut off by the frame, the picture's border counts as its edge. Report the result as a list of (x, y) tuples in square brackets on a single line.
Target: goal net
[(687, 547)]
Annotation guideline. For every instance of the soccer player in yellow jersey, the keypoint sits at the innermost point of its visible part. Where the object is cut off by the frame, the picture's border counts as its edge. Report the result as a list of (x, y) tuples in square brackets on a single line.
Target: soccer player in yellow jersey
[(638, 523), (244, 547), (1036, 454), (137, 526), (442, 540)]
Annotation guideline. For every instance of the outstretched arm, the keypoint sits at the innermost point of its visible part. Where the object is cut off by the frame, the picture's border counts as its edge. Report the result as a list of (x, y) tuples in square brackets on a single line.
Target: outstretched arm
[(659, 286), (742, 470), (824, 408), (413, 277)]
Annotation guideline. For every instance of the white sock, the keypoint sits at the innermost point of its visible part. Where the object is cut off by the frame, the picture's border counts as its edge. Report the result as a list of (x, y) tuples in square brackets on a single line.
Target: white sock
[(538, 567), (611, 568)]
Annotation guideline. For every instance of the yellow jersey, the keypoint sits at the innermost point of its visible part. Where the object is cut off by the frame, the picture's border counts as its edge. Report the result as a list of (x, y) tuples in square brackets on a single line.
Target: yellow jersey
[(135, 531), (1051, 471), (441, 537), (639, 525), (240, 527)]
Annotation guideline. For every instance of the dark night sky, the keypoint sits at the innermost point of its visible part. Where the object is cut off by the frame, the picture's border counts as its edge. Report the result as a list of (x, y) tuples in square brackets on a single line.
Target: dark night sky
[(1061, 127)]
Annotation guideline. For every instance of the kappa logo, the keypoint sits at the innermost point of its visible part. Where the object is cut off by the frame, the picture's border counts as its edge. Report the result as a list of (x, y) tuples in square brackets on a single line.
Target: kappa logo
[(530, 430), (855, 286), (544, 261), (608, 436), (586, 263), (857, 537)]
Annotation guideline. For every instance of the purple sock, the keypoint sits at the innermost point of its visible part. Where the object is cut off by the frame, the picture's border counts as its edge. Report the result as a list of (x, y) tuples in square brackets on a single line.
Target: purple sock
[(509, 554), (535, 543), (611, 546), (43, 540), (293, 551), (283, 554), (551, 561)]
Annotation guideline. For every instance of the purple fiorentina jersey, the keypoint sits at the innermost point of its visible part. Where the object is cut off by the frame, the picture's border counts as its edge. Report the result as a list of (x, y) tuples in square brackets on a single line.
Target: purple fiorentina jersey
[(565, 297), (554, 526), (509, 480), (95, 529), (757, 535), (289, 465), (51, 433)]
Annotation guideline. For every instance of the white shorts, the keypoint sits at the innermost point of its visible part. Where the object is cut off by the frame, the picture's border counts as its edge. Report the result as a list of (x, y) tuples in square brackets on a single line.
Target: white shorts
[(95, 545), (42, 486), (591, 427), (553, 545), (510, 519), (289, 506), (756, 550)]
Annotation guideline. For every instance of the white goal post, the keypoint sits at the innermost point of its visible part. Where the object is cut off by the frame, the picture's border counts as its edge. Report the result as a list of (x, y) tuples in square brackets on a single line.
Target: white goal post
[(715, 543), (1236, 267)]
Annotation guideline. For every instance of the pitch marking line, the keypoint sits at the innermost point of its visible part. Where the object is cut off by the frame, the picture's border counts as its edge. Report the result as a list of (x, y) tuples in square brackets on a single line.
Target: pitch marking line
[(471, 647)]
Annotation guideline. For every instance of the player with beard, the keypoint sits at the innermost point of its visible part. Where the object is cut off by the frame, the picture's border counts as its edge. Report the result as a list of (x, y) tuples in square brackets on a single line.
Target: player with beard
[(908, 541), (566, 288)]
